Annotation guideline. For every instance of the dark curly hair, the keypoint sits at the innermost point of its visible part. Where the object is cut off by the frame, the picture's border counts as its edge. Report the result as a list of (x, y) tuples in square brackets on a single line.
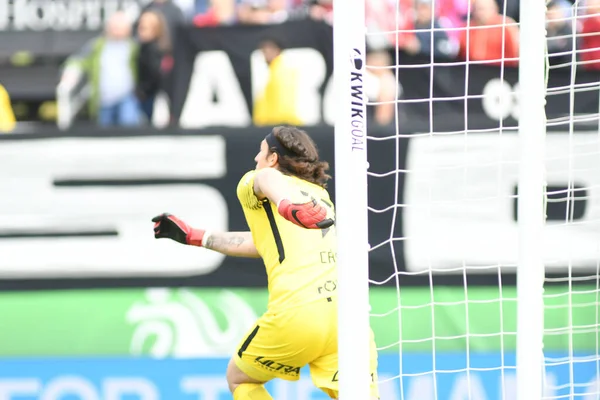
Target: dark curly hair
[(304, 162)]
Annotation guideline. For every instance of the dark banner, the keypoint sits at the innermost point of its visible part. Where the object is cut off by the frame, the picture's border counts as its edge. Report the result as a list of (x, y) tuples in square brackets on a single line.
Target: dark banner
[(219, 70), (458, 97), (78, 206)]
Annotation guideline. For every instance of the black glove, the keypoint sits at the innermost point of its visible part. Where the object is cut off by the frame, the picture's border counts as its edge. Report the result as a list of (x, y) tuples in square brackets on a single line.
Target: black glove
[(170, 227)]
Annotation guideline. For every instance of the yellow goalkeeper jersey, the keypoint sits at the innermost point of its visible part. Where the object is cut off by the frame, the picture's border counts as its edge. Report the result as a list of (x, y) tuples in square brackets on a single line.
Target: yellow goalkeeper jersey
[(301, 263), (7, 116)]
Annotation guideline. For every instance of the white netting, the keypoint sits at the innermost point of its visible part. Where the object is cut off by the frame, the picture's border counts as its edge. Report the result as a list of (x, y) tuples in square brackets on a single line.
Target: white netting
[(450, 201), (574, 202)]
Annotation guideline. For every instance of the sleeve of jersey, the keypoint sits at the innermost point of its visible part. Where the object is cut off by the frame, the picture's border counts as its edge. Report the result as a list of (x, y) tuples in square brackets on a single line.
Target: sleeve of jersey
[(245, 192)]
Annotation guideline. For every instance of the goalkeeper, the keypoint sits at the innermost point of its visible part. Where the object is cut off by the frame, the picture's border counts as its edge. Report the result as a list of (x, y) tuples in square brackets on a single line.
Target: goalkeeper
[(290, 216)]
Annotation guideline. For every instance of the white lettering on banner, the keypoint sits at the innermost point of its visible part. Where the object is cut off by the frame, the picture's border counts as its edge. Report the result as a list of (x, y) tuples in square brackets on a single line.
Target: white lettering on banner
[(259, 73), (309, 79), (214, 387), (3, 15), (29, 169), (117, 388), (550, 386), (69, 385), (467, 387), (459, 202), (593, 389), (464, 388), (507, 387), (19, 387), (59, 15), (471, 388), (357, 101), (283, 389), (500, 100), (421, 388), (207, 388), (213, 77), (305, 389), (474, 386)]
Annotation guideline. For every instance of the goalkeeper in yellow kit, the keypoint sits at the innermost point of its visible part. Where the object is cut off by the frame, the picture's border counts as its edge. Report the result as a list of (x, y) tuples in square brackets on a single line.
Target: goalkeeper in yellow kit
[(291, 218)]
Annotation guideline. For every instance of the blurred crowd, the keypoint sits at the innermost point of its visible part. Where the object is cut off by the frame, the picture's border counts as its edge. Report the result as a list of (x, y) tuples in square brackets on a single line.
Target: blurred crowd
[(132, 61), (471, 30)]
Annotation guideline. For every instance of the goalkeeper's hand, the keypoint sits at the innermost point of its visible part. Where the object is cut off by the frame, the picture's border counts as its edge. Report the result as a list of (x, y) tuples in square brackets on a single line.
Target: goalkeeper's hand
[(170, 227), (309, 215)]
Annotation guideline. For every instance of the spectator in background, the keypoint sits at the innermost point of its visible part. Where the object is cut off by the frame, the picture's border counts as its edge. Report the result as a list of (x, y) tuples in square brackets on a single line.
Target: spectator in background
[(263, 11), (7, 116), (201, 6), (452, 15), (174, 17), (217, 12), (490, 36), (187, 7), (171, 12), (154, 47), (566, 6), (421, 42), (509, 8), (590, 40), (321, 10), (388, 22), (381, 86), (110, 62), (559, 34), (277, 104)]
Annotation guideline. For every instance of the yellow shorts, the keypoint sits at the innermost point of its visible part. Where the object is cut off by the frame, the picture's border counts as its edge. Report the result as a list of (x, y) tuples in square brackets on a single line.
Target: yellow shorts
[(281, 344)]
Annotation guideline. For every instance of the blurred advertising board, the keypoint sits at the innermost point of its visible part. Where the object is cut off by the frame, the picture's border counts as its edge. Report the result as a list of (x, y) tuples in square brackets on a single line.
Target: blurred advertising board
[(203, 379), (188, 322), (78, 214)]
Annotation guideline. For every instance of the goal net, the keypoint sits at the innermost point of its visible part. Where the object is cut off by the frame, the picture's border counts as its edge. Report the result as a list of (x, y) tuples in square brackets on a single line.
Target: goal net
[(488, 189)]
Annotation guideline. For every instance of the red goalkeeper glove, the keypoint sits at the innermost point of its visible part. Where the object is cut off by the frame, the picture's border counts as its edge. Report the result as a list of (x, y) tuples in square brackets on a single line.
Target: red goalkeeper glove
[(309, 215), (171, 227)]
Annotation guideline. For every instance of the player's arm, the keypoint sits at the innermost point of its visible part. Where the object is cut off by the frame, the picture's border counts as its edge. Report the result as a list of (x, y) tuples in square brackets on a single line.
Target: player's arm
[(271, 184), (236, 244)]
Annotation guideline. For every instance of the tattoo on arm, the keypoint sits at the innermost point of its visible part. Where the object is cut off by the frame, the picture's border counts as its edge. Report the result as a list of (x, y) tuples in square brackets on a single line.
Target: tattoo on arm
[(237, 244), (216, 242)]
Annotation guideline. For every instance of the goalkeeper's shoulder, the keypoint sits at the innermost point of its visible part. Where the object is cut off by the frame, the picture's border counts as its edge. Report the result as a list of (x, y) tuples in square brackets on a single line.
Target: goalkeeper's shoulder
[(245, 191), (247, 179)]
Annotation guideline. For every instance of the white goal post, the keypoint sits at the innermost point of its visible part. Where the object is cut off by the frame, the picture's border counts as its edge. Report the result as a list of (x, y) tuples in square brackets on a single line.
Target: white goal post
[(531, 200), (351, 198)]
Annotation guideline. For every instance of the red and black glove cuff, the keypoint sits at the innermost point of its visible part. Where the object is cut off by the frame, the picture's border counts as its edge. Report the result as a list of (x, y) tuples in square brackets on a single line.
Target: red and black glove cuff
[(309, 215), (170, 227)]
